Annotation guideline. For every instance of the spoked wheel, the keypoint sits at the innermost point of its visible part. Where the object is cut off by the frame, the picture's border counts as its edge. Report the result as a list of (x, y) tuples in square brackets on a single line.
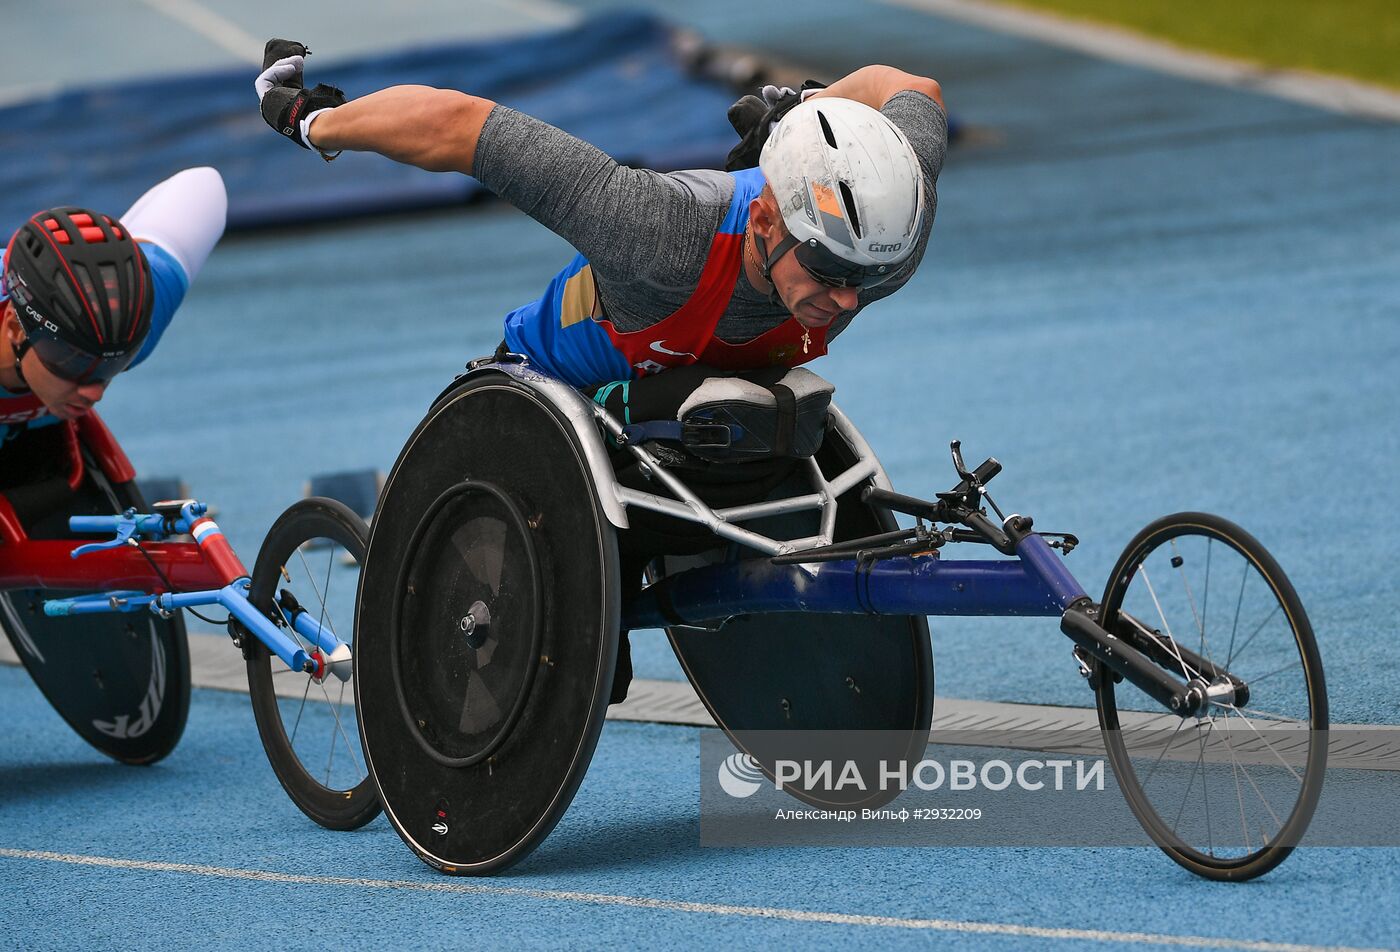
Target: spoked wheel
[(1226, 793), (308, 725)]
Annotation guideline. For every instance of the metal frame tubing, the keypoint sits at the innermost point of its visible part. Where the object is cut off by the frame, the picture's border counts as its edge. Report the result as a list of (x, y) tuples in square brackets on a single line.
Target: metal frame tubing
[(1042, 561), (210, 563), (49, 563), (234, 597), (323, 636), (897, 586)]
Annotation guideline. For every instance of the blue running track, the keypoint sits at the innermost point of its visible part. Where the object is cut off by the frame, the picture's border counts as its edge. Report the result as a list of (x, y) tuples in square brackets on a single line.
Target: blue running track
[(1145, 294)]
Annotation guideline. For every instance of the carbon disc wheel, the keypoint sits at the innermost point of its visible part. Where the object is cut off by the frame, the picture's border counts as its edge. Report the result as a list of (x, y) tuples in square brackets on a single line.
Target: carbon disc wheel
[(122, 682), (864, 683), (488, 623), (1229, 792), (470, 595)]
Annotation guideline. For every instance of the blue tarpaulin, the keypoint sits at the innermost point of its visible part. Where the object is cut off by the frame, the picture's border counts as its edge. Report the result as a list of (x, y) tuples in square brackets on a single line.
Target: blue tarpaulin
[(613, 80)]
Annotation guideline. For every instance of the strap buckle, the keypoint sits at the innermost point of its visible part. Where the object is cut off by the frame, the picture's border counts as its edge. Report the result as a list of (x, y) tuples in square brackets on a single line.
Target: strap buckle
[(706, 436)]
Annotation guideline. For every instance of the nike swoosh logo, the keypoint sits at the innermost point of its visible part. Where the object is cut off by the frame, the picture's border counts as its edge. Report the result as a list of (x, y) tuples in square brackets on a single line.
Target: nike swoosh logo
[(660, 348)]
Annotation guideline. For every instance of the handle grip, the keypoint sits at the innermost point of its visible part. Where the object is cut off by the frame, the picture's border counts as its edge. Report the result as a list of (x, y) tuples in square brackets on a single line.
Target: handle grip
[(989, 468), (898, 502), (96, 525), (100, 603)]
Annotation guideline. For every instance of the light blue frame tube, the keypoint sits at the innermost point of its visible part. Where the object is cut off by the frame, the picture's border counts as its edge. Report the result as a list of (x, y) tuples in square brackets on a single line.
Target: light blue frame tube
[(233, 597)]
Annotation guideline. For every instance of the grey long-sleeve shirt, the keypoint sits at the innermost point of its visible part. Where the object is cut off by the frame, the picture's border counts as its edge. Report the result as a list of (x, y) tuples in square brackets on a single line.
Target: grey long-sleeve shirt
[(647, 234)]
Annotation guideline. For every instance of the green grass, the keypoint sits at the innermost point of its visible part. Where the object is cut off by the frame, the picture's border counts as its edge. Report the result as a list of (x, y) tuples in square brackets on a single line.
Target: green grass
[(1356, 38)]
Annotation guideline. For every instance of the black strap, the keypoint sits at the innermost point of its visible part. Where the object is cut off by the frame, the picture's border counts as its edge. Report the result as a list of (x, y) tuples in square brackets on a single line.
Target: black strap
[(672, 430), (789, 241), (767, 260), (786, 424), (20, 350), (692, 434)]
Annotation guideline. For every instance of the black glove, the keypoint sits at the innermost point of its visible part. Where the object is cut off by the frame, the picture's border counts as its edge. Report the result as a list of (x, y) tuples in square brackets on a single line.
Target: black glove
[(285, 100), (753, 118)]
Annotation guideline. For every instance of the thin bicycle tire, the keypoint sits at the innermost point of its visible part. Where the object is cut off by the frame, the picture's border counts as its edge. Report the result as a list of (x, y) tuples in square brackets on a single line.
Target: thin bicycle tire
[(333, 808)]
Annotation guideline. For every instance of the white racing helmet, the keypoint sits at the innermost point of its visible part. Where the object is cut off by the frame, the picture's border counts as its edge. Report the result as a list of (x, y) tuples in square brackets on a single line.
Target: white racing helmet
[(850, 189)]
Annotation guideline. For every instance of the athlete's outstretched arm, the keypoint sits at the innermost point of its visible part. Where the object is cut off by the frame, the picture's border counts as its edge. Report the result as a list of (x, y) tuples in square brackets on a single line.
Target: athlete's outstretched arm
[(434, 129), (185, 215), (178, 222), (571, 187), (877, 85)]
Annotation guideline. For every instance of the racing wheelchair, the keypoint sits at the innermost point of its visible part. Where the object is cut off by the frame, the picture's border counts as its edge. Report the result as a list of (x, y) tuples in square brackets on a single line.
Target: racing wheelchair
[(498, 577), (98, 624)]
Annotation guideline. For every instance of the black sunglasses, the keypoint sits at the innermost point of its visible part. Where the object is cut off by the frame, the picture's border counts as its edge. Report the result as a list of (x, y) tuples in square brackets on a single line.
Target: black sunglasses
[(64, 360), (831, 270)]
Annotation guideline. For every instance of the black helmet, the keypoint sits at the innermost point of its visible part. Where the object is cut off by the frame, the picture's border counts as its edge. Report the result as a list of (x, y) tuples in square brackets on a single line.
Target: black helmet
[(82, 290)]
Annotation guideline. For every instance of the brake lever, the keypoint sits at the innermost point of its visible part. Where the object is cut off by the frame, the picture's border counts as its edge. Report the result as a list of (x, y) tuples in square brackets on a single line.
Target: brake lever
[(958, 464), (125, 531)]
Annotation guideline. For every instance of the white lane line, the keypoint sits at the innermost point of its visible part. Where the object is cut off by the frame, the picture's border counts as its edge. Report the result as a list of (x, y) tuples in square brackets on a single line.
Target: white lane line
[(670, 905), (1120, 45), (212, 27)]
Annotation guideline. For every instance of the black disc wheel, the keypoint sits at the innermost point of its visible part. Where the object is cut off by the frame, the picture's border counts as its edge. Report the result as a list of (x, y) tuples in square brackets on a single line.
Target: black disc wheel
[(1228, 791), (122, 682), (467, 624), (864, 683), (488, 627), (311, 559)]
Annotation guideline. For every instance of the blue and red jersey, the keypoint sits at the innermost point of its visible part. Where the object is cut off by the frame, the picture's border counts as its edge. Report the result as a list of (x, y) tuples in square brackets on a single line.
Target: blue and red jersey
[(561, 336)]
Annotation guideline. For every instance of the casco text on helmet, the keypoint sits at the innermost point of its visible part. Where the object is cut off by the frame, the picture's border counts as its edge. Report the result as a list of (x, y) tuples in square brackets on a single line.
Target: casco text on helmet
[(845, 177)]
